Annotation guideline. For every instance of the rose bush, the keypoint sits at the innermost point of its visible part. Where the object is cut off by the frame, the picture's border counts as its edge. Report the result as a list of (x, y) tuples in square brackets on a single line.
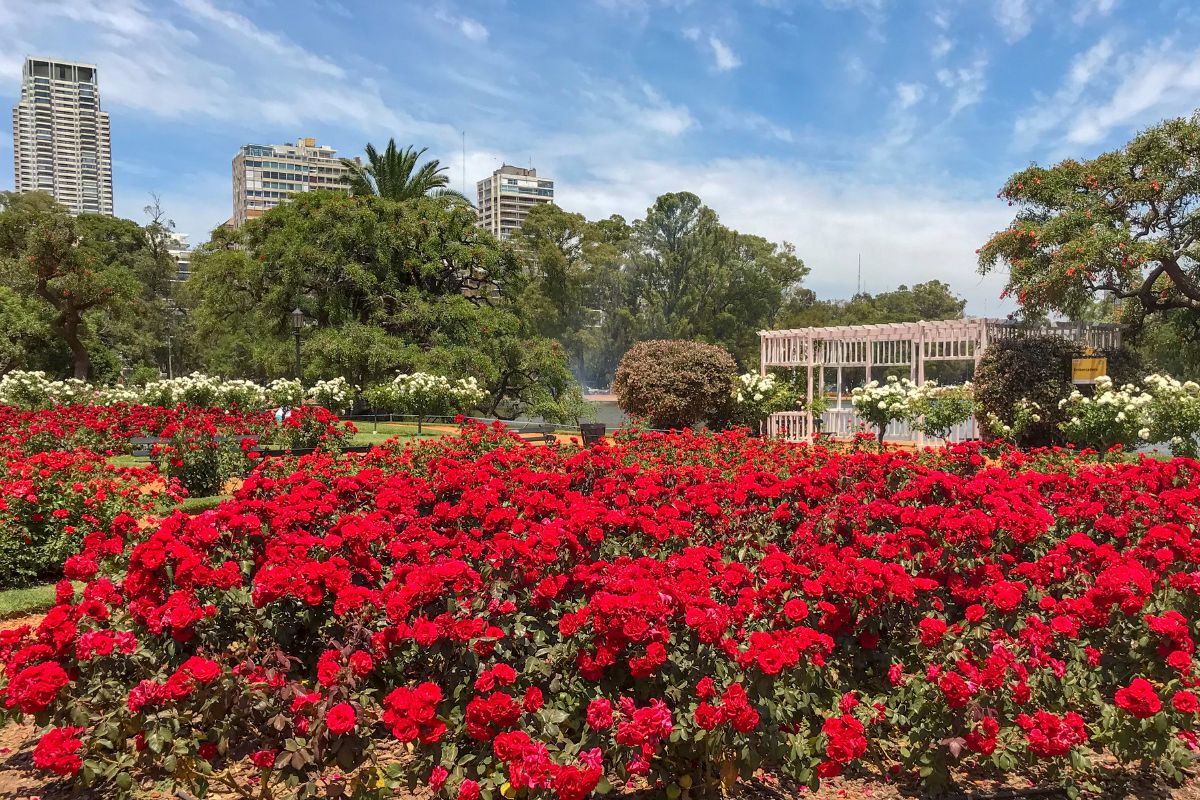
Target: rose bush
[(672, 611), (51, 502)]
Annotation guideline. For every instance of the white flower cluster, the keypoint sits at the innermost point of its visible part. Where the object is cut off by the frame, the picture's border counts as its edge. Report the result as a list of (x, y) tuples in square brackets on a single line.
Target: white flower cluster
[(464, 392), (753, 388), (1025, 413), (34, 390), (335, 394), (894, 399), (285, 392), (1111, 416)]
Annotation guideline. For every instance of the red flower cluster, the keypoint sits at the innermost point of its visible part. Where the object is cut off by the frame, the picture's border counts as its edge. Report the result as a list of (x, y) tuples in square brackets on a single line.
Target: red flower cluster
[(550, 617)]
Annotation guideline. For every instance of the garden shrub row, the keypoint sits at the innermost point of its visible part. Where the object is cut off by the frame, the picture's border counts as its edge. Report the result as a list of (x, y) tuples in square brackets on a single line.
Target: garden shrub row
[(669, 611)]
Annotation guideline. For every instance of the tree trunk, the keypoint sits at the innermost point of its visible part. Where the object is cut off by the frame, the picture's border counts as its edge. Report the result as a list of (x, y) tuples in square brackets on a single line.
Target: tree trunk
[(68, 329)]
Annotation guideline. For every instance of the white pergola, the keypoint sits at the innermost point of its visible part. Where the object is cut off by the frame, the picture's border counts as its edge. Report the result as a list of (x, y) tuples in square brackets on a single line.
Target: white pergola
[(889, 348)]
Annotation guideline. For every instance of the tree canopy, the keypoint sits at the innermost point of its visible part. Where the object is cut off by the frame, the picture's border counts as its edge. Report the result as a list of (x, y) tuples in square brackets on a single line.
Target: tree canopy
[(602, 286), (412, 285), (99, 282), (931, 300), (1124, 224)]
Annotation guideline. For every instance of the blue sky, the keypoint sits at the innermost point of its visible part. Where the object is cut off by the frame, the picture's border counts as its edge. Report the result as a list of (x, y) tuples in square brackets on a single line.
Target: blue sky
[(880, 127)]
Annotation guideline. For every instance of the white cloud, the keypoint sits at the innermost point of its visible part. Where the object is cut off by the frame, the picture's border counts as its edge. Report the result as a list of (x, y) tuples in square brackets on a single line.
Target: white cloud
[(1109, 89), (1086, 9), (1160, 81), (941, 47), (214, 65), (724, 59), (967, 84), (757, 124), (1014, 18), (653, 113), (1050, 113), (905, 234), (909, 94), (473, 30), (272, 43), (856, 69)]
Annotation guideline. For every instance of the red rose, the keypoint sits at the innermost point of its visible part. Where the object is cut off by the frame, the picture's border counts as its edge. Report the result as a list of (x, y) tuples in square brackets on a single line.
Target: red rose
[(533, 699), (34, 688), (58, 751), (263, 759), (201, 670), (437, 778), (208, 751), (341, 719), (1139, 699), (468, 790), (600, 714), (1185, 702), (845, 738), (955, 689), (932, 631)]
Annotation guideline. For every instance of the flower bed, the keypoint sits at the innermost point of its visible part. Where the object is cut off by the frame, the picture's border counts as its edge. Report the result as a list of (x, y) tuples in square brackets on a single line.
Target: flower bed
[(672, 610), (51, 502)]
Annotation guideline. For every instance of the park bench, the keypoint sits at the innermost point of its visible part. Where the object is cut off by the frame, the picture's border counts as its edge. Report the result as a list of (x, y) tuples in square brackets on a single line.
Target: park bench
[(534, 434)]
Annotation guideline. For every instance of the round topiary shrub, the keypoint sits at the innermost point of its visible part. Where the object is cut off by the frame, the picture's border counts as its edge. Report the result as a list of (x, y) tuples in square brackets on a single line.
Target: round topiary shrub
[(676, 383), (1038, 369)]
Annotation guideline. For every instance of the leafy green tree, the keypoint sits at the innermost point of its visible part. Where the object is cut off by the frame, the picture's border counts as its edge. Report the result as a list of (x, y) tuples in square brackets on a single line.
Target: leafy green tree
[(97, 276), (600, 287), (932, 300), (1123, 224), (389, 286), (397, 175), (27, 342)]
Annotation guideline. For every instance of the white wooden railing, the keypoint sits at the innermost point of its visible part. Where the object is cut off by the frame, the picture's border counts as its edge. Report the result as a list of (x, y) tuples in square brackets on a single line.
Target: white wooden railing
[(843, 423)]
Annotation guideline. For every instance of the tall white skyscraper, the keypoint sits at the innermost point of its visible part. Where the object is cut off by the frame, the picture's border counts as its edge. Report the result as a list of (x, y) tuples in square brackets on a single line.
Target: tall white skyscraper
[(61, 141)]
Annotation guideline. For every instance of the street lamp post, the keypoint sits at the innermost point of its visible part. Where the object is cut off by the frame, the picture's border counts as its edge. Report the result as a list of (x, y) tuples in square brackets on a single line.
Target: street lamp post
[(297, 324)]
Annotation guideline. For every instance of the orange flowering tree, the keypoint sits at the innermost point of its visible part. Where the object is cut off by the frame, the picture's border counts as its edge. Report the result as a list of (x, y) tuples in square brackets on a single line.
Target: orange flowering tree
[(1123, 225)]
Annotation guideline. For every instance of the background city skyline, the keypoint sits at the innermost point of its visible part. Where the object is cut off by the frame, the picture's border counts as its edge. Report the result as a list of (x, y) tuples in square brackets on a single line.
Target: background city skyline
[(843, 126)]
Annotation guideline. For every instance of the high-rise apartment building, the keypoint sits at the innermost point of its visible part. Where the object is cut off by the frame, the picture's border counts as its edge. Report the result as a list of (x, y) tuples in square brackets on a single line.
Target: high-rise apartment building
[(507, 197), (61, 141), (181, 251), (264, 175)]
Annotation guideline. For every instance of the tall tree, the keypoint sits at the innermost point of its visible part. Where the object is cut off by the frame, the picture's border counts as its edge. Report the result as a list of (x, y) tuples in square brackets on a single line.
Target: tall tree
[(1124, 224), (95, 274), (397, 175), (388, 285)]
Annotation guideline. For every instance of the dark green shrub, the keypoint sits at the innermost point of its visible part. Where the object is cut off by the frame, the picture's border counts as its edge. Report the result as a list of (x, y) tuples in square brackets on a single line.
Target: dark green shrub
[(1038, 368), (676, 383)]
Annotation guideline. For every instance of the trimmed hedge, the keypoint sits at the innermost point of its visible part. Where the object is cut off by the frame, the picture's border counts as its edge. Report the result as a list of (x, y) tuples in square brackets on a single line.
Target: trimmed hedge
[(1038, 368), (676, 384)]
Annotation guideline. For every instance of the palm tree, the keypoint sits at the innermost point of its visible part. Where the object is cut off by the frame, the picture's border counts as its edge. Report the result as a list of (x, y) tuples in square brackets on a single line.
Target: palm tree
[(394, 174)]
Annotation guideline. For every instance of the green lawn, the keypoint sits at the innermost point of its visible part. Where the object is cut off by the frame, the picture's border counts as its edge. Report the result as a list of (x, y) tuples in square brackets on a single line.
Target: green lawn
[(20, 602), (404, 431)]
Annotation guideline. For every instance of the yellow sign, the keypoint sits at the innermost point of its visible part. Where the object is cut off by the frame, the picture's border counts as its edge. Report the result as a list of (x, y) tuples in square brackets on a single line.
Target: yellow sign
[(1086, 370)]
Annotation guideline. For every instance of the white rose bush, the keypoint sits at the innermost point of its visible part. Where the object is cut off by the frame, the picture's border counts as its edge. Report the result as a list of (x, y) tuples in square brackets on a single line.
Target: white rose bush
[(881, 404), (756, 397), (424, 395)]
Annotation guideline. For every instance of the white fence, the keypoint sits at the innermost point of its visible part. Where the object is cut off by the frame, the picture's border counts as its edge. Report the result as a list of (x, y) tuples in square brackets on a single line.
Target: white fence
[(842, 423)]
